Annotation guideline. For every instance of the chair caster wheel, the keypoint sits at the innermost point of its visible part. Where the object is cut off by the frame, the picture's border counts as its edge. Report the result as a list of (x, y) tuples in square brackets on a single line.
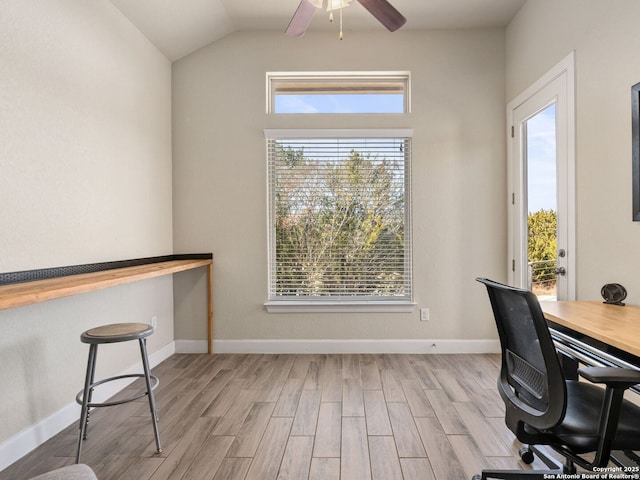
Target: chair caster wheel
[(527, 456), (476, 477)]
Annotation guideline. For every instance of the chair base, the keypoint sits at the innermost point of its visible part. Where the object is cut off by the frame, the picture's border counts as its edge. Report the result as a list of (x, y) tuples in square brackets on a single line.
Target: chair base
[(555, 468), (515, 474)]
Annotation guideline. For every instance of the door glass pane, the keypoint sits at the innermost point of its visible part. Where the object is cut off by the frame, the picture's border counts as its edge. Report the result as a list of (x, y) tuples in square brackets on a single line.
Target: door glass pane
[(540, 149)]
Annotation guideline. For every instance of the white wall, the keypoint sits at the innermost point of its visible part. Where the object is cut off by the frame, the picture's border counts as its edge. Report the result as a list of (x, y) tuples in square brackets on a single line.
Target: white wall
[(605, 38), (459, 222), (85, 176)]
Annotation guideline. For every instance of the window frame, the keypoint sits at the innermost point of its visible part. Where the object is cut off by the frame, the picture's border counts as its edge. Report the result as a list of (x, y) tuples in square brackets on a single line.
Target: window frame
[(401, 79), (337, 303)]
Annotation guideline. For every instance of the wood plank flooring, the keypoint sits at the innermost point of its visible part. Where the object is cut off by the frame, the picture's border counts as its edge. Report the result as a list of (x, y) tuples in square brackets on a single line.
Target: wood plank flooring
[(299, 417)]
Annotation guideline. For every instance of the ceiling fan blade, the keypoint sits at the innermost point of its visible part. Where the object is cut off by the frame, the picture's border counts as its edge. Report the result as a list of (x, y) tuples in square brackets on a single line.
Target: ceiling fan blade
[(386, 13), (301, 19)]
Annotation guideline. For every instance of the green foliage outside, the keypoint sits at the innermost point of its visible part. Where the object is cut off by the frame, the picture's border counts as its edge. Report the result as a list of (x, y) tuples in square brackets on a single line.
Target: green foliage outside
[(542, 244), (339, 225)]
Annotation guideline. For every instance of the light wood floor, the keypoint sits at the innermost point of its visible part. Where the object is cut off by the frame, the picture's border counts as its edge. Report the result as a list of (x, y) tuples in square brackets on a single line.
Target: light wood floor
[(316, 417)]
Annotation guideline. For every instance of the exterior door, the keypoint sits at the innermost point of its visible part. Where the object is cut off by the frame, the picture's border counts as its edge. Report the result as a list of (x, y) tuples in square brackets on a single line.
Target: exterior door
[(542, 186)]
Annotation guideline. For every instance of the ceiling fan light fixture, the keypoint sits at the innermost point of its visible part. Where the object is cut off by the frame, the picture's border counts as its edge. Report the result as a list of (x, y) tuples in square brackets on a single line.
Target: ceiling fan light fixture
[(337, 4), (382, 10)]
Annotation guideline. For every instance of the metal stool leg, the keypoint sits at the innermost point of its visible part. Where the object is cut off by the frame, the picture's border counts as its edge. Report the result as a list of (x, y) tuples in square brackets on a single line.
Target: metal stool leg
[(84, 415), (91, 387), (152, 402)]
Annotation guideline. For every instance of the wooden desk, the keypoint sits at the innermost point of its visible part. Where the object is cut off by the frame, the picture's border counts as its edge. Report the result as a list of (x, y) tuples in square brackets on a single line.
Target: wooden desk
[(26, 293), (597, 334), (613, 325)]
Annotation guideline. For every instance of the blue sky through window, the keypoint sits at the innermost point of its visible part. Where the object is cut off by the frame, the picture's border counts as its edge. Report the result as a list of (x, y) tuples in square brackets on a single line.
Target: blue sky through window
[(541, 160), (342, 103)]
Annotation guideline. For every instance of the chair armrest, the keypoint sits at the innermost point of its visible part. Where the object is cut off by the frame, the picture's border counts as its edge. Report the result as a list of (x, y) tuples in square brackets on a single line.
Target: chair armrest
[(617, 381), (611, 376)]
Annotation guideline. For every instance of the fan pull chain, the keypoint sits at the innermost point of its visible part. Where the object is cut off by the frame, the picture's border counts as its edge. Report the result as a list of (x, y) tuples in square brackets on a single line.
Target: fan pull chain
[(331, 21)]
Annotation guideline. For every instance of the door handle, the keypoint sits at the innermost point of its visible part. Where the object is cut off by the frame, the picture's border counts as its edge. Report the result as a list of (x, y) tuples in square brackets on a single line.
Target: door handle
[(560, 271)]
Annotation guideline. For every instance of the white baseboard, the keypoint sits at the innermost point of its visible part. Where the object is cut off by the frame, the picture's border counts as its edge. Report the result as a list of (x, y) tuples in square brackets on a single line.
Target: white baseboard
[(355, 346), (25, 441)]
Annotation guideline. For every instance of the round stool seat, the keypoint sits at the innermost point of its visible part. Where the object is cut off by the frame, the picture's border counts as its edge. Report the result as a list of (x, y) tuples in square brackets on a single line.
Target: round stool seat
[(116, 332)]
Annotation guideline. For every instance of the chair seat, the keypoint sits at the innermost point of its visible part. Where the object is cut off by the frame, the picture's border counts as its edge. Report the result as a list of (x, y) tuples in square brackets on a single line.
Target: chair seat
[(583, 412), (117, 332), (71, 472)]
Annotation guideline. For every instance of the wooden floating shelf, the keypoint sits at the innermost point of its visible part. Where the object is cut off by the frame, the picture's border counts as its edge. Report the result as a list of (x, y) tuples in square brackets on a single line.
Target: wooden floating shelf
[(27, 293)]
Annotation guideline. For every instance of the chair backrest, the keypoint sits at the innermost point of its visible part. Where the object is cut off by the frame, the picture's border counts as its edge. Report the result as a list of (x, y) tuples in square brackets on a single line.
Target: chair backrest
[(531, 381)]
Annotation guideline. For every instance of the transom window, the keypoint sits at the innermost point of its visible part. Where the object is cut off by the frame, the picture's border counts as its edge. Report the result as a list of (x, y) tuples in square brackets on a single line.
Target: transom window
[(339, 216), (338, 92)]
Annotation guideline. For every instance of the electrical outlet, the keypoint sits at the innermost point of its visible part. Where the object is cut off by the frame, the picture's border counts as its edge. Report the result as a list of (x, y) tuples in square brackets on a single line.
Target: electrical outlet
[(424, 314), (154, 321)]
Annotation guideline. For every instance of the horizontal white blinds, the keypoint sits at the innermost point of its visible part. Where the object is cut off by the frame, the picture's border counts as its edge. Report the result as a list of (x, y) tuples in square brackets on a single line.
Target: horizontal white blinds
[(339, 218)]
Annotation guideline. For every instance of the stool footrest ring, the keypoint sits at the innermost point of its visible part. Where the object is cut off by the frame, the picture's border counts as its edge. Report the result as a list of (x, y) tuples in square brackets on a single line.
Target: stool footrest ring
[(154, 380)]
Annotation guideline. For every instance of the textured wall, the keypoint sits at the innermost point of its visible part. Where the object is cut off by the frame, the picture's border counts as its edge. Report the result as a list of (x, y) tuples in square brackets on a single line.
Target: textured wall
[(459, 174), (85, 176), (605, 38)]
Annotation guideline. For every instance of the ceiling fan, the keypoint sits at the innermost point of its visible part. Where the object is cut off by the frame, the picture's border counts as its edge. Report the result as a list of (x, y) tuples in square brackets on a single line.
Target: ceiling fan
[(386, 14)]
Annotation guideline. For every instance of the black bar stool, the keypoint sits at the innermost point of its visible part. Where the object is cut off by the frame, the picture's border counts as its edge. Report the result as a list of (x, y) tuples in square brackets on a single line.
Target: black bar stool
[(117, 332)]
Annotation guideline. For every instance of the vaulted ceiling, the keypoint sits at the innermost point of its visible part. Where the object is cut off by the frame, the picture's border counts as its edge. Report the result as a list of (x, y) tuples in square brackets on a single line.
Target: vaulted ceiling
[(180, 27)]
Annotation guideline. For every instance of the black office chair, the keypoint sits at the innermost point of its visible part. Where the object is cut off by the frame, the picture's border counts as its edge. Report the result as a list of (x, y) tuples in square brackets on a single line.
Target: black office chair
[(542, 407)]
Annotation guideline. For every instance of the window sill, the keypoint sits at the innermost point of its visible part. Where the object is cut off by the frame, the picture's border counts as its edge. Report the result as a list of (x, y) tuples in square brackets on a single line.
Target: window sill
[(339, 307)]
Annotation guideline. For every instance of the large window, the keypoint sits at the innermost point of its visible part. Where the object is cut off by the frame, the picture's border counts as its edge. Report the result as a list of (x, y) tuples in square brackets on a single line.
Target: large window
[(339, 217)]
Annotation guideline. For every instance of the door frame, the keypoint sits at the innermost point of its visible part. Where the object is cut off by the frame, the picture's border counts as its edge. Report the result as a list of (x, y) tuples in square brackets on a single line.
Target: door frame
[(566, 68)]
